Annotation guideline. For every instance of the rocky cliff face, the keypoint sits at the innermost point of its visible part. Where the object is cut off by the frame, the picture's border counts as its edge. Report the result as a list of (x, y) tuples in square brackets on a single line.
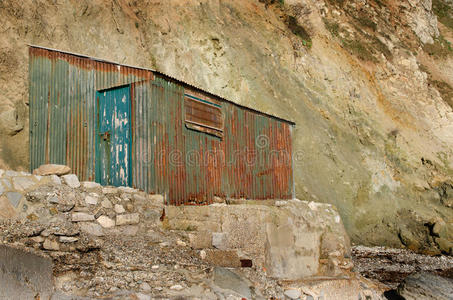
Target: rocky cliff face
[(368, 82)]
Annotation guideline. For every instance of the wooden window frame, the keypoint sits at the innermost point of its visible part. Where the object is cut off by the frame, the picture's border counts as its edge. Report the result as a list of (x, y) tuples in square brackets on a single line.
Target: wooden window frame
[(200, 126)]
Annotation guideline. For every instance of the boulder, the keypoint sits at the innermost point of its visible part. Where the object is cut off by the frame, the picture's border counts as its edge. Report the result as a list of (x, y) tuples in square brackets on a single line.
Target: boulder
[(52, 169), (426, 286)]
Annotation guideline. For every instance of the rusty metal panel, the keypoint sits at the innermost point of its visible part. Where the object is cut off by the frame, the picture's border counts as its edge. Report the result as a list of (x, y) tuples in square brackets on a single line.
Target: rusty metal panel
[(252, 158), (62, 97)]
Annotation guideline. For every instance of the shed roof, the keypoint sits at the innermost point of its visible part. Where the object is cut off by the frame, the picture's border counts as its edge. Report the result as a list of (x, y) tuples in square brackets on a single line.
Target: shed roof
[(168, 77)]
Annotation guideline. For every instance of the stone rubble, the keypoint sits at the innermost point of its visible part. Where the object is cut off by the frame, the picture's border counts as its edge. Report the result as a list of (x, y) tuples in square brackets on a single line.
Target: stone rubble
[(115, 243)]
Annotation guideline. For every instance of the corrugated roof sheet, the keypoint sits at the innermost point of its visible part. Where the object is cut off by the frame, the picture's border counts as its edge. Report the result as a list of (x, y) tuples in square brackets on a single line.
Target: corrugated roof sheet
[(167, 77)]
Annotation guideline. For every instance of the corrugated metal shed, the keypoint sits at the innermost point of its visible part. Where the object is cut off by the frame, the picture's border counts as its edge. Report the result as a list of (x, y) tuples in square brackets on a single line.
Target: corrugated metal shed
[(250, 157)]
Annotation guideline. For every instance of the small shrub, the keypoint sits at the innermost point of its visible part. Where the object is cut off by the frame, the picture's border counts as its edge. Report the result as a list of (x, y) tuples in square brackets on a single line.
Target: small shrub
[(440, 48), (359, 49), (367, 22), (445, 90), (298, 30), (332, 26), (444, 12), (337, 2)]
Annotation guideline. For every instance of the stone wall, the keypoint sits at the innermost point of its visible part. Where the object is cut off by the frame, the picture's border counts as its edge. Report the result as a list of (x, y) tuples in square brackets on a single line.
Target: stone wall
[(121, 242), (289, 239)]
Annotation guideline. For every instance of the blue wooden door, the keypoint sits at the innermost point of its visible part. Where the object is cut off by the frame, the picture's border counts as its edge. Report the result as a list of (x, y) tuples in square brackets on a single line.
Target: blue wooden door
[(113, 138)]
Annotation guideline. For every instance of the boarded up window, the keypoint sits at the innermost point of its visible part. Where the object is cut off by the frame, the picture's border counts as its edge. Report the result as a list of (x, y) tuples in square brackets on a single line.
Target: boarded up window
[(203, 115)]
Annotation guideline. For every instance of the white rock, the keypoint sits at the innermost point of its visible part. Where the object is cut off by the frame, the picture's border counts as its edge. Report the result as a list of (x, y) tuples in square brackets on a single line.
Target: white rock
[(82, 217), (71, 180), (68, 239), (106, 222), (176, 287), (127, 219), (55, 179), (92, 228), (23, 183), (202, 254), (90, 200), (10, 173), (280, 203), (292, 294), (52, 169), (180, 243), (90, 185), (106, 203), (155, 267), (119, 209)]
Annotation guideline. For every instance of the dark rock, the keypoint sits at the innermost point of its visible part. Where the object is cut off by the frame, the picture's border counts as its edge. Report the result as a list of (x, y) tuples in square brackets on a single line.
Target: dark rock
[(426, 286)]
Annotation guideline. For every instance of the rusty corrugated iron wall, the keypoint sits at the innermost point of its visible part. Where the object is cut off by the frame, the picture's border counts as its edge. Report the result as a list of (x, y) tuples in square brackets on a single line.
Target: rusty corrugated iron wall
[(252, 160)]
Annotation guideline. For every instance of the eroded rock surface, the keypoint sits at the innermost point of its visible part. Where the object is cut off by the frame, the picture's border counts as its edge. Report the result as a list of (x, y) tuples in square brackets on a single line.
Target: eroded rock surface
[(369, 84)]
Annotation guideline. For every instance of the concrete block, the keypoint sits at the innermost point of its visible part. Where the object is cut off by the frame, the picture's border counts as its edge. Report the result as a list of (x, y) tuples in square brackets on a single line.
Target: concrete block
[(200, 239), (15, 265), (219, 240)]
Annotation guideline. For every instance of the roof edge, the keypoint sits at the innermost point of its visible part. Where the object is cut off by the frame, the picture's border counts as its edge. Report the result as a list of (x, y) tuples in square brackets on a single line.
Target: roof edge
[(168, 77)]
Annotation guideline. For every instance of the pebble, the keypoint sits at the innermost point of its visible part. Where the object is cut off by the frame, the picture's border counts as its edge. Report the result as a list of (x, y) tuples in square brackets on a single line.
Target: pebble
[(202, 254), (155, 267), (181, 243)]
